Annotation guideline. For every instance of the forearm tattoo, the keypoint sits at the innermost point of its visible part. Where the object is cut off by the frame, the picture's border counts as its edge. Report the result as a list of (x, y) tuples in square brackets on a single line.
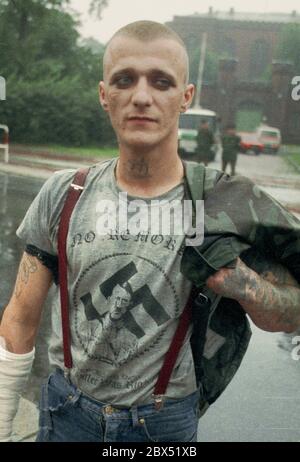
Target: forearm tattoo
[(274, 298), (28, 266), (273, 272)]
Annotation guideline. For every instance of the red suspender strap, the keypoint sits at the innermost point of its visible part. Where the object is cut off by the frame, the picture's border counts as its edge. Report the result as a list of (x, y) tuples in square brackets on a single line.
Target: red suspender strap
[(73, 195), (173, 352)]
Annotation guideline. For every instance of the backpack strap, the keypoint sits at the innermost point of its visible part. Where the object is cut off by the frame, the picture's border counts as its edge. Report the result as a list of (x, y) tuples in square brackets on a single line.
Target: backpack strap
[(173, 352), (74, 192), (203, 305), (194, 185)]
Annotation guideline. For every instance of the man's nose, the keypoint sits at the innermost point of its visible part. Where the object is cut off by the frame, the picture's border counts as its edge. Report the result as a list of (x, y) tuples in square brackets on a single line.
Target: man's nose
[(142, 93)]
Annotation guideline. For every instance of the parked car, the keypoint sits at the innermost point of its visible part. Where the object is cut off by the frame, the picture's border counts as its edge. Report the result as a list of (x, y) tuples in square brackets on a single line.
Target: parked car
[(270, 137), (250, 143)]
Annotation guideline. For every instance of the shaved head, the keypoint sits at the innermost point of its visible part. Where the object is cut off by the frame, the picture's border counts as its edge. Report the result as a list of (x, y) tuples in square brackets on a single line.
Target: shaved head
[(146, 31)]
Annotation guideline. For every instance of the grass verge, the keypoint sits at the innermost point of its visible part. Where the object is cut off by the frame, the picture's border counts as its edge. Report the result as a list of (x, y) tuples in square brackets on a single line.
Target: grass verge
[(61, 150), (292, 153)]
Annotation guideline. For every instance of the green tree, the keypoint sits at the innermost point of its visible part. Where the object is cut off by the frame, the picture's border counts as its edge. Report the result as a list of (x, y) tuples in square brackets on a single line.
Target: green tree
[(97, 7), (31, 30), (52, 78)]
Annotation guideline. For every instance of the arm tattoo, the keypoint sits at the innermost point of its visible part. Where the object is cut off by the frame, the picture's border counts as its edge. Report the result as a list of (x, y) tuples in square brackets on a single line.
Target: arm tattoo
[(277, 274), (28, 266), (272, 299), (275, 296)]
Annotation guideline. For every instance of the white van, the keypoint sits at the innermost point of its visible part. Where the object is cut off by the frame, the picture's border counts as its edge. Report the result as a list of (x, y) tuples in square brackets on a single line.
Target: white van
[(189, 124), (270, 137)]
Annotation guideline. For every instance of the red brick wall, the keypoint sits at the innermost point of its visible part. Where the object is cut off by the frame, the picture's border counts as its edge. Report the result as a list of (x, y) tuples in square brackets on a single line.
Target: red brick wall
[(244, 35)]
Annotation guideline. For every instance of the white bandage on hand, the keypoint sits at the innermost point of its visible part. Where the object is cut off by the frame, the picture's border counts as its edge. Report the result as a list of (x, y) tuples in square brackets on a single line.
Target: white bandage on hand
[(14, 373)]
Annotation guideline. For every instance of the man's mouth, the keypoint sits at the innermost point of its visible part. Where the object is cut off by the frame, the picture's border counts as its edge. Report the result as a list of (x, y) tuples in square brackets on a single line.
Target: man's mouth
[(141, 119)]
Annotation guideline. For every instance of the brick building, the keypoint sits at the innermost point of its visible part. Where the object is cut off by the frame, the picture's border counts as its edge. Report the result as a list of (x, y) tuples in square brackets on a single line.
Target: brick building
[(249, 78)]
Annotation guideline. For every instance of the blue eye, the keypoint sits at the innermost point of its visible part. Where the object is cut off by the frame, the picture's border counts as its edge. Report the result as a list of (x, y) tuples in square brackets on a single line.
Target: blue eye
[(163, 83), (123, 81)]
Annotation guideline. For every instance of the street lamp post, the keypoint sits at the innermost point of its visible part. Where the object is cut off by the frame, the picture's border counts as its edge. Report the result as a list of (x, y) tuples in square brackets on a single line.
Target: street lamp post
[(201, 70), (5, 142)]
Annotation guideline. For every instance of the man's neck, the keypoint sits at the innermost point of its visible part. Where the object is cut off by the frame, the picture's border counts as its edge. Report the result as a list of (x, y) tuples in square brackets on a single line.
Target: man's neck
[(148, 173)]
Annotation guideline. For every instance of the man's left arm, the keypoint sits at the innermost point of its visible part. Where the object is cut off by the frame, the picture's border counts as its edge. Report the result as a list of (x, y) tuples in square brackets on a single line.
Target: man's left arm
[(271, 299)]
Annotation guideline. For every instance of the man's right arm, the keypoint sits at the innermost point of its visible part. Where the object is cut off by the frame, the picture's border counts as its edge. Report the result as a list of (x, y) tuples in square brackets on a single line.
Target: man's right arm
[(18, 329), (21, 318)]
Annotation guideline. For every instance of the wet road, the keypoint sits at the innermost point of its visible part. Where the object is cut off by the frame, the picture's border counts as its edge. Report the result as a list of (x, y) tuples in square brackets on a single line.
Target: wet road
[(16, 194), (262, 403), (273, 175)]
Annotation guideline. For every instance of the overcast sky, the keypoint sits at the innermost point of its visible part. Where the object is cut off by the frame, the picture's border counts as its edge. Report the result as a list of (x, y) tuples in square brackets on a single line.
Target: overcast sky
[(121, 12)]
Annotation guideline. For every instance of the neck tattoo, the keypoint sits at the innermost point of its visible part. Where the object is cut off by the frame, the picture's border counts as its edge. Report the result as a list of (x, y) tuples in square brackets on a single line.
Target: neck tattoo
[(138, 168)]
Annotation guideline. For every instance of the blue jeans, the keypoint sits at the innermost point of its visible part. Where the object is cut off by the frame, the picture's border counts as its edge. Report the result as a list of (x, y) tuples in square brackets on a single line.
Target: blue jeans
[(66, 414)]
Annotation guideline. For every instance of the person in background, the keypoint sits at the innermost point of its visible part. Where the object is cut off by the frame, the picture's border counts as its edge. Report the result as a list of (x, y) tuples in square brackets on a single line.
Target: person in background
[(205, 142), (231, 146)]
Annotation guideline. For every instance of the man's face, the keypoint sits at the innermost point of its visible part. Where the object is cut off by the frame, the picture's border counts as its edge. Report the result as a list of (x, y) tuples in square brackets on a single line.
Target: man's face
[(121, 299), (144, 90)]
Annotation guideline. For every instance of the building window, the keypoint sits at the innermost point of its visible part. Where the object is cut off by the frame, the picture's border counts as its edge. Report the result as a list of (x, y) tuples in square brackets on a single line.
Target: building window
[(228, 47), (259, 60), (294, 124)]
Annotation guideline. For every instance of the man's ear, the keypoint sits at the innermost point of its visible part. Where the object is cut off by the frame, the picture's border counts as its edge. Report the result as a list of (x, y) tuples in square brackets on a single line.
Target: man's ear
[(102, 96), (187, 97)]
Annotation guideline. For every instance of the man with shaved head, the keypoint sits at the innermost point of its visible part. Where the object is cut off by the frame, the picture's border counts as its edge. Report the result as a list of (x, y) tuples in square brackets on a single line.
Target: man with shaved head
[(121, 281)]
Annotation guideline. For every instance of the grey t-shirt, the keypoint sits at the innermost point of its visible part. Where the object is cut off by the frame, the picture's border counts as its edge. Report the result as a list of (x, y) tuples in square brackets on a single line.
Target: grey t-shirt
[(126, 293)]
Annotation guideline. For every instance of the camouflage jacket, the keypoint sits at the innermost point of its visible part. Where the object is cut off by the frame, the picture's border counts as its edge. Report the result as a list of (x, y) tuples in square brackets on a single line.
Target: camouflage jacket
[(240, 220)]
